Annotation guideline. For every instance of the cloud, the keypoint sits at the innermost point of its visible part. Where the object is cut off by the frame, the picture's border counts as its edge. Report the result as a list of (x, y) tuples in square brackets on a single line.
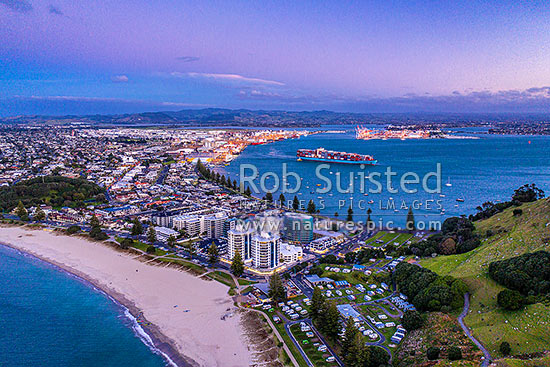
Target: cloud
[(107, 99), (55, 10), (530, 100), (63, 105), (20, 6), (119, 79), (226, 78), (188, 58)]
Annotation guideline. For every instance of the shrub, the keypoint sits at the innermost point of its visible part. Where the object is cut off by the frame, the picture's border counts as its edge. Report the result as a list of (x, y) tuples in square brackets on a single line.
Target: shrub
[(505, 348), (412, 320), (126, 242), (510, 299), (73, 229), (97, 234), (433, 353), (517, 212), (151, 249), (101, 236), (454, 353)]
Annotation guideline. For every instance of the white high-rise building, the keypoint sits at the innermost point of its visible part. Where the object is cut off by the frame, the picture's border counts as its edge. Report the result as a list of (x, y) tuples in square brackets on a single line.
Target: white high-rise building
[(265, 250), (240, 240), (213, 225), (190, 223)]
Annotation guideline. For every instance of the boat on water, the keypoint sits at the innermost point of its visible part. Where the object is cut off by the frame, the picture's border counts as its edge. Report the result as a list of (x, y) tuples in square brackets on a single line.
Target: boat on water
[(330, 156), (449, 184), (460, 200)]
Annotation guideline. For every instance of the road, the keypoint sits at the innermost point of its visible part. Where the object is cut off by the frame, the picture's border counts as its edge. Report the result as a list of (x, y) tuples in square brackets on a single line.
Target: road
[(486, 353), (304, 355)]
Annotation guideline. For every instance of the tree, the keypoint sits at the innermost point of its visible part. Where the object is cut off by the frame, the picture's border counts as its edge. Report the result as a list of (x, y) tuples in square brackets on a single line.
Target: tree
[(411, 226), (433, 353), (73, 229), (350, 257), (183, 233), (151, 250), (347, 342), (97, 234), (454, 353), (412, 320), (295, 203), (527, 193), (126, 243), (331, 324), (151, 235), (369, 220), (171, 241), (378, 356), (94, 222), (311, 207), (248, 192), (189, 247), (237, 265), (505, 348), (282, 199), (359, 354), (448, 246), (317, 302), (517, 212), (277, 291), (21, 212), (510, 299), (95, 231), (137, 228), (350, 214), (39, 215), (213, 254)]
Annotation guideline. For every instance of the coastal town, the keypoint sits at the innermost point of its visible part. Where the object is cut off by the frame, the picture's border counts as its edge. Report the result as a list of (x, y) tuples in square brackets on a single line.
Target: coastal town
[(274, 184), (160, 193)]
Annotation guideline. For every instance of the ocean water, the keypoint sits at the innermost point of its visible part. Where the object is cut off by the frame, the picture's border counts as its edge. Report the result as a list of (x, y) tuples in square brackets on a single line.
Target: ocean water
[(487, 168), (51, 318)]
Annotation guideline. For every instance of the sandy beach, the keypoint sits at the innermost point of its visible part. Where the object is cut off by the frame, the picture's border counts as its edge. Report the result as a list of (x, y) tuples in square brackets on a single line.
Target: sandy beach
[(199, 337)]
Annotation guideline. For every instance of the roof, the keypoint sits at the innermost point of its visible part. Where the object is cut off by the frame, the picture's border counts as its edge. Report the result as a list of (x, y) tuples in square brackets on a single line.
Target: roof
[(263, 287), (341, 283), (315, 279), (348, 311)]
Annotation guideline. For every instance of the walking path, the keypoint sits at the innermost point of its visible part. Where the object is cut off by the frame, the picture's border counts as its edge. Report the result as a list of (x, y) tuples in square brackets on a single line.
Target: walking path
[(486, 353), (285, 347)]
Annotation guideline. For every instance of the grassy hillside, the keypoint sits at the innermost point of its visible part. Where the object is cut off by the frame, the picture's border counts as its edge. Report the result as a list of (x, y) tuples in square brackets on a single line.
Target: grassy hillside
[(440, 330), (527, 330)]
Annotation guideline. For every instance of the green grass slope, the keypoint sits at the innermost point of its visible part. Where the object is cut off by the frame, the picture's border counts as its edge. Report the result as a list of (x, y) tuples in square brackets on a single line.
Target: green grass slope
[(527, 330)]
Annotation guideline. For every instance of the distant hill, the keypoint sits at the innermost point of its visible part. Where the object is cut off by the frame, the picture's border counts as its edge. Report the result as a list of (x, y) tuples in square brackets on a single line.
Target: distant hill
[(505, 236), (269, 118), (207, 117)]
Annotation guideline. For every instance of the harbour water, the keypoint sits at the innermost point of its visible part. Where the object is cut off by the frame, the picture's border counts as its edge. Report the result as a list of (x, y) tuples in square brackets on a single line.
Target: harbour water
[(489, 167), (51, 318)]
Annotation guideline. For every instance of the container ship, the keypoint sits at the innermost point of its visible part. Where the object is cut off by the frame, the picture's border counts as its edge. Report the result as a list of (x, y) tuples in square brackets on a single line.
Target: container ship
[(329, 156)]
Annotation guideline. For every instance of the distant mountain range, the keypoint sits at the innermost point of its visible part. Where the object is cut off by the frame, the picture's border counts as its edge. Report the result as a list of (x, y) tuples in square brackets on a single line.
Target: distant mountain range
[(202, 117), (259, 118)]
